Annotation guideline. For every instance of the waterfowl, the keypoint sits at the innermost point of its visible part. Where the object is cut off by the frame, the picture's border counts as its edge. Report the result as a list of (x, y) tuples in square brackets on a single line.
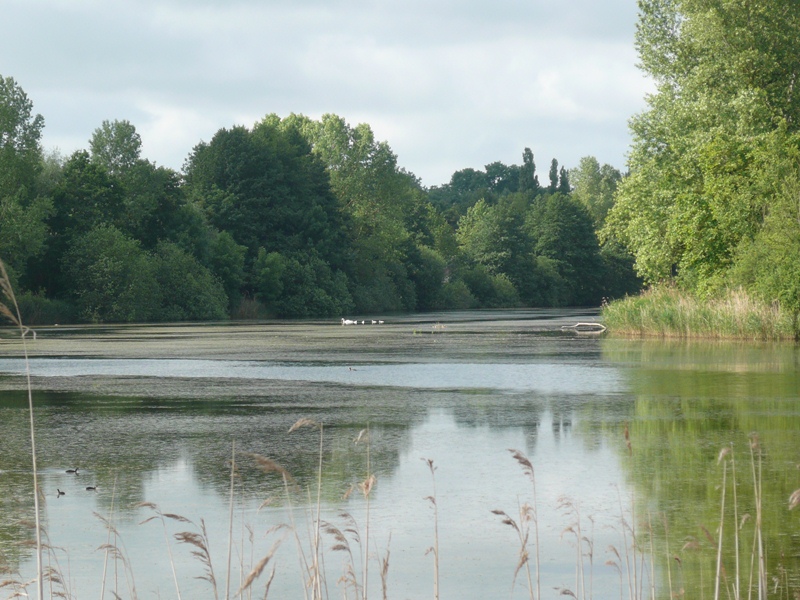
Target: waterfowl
[(91, 488), (73, 471), (60, 493)]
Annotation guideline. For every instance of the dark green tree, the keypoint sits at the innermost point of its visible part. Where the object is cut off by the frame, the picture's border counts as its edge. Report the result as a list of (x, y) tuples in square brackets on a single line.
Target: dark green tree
[(110, 277), (86, 197), (189, 290), (563, 233), (553, 176), (563, 181), (266, 188), (528, 180)]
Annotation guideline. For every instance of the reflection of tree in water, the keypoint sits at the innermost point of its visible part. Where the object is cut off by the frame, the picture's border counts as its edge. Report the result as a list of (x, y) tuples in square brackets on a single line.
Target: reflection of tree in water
[(584, 418), (119, 442), (16, 484), (561, 420), (689, 402)]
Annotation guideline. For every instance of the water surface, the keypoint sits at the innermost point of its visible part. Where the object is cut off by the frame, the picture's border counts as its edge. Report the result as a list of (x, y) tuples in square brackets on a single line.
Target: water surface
[(152, 414)]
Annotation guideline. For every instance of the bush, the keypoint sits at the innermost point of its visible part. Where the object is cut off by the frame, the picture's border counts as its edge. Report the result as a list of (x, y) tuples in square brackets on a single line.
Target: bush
[(455, 295), (36, 309), (191, 291)]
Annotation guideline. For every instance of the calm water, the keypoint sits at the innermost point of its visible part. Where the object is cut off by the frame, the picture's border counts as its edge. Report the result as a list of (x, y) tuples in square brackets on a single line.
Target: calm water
[(152, 414)]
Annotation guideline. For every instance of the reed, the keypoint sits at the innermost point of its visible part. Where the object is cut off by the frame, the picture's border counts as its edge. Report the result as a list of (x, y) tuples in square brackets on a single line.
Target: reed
[(366, 489), (528, 515), (116, 550), (665, 311), (12, 312), (162, 518), (435, 548), (316, 573)]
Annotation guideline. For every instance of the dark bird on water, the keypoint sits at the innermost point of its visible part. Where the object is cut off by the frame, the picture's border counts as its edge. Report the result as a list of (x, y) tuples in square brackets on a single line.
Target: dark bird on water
[(73, 471), (91, 488), (60, 493)]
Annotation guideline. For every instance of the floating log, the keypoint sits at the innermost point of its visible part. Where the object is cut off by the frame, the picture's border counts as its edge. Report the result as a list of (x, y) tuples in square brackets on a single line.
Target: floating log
[(586, 327)]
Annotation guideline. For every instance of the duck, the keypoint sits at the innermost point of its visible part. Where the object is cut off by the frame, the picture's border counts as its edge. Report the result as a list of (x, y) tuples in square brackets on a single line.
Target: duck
[(60, 493), (91, 488), (73, 471)]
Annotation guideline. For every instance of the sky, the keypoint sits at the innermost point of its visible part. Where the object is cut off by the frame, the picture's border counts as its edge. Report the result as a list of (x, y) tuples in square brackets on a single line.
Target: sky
[(448, 84)]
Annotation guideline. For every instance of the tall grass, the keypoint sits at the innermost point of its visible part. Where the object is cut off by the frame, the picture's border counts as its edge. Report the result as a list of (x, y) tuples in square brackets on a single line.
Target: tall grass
[(667, 312)]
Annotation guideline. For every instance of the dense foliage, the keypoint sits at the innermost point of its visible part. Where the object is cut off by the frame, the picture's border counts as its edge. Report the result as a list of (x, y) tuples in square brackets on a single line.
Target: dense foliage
[(712, 200), (293, 217)]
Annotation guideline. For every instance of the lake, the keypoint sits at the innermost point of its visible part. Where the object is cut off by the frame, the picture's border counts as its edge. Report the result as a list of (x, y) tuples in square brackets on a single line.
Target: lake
[(623, 436)]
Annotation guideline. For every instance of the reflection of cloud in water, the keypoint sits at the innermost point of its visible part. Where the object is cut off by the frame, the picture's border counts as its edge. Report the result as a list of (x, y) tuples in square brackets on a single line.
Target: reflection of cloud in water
[(541, 377)]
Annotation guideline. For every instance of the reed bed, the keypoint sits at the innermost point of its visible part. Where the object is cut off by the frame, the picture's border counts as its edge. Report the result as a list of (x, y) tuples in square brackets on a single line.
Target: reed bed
[(667, 312)]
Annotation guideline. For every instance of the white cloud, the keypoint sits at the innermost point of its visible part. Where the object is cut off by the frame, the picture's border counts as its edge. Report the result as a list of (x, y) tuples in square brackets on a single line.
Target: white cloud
[(449, 84)]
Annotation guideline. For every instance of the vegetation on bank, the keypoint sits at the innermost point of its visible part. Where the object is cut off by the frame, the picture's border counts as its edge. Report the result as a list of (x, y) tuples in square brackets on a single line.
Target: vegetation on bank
[(291, 217), (667, 312), (712, 198)]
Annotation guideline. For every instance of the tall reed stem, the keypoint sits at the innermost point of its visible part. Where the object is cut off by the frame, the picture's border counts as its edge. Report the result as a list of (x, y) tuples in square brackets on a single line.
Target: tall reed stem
[(16, 318), (366, 489), (230, 522), (762, 565), (737, 587), (435, 548), (318, 523), (721, 523)]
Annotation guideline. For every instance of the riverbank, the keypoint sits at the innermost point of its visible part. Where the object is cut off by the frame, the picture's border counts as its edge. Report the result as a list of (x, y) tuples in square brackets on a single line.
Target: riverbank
[(667, 312)]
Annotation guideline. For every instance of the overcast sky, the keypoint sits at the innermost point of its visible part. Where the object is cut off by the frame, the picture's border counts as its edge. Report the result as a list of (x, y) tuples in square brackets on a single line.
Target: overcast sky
[(449, 84)]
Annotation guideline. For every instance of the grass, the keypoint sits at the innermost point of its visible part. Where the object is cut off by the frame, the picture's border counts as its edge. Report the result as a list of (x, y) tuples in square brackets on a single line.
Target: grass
[(666, 312)]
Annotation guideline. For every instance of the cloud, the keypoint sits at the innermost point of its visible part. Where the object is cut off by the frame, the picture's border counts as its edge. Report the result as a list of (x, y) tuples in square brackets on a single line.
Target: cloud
[(448, 83)]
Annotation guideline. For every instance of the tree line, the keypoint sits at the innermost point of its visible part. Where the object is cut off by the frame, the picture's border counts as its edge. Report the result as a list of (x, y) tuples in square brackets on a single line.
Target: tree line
[(712, 200), (292, 217)]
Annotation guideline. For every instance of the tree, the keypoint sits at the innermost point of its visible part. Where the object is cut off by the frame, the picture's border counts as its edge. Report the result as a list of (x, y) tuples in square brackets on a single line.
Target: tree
[(189, 290), (23, 214), (111, 279), (563, 233), (84, 198), (553, 176), (594, 187), (23, 230), (266, 188), (563, 181), (87, 196), (152, 203), (725, 75), (116, 145), (20, 133), (379, 201), (528, 180), (300, 286)]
